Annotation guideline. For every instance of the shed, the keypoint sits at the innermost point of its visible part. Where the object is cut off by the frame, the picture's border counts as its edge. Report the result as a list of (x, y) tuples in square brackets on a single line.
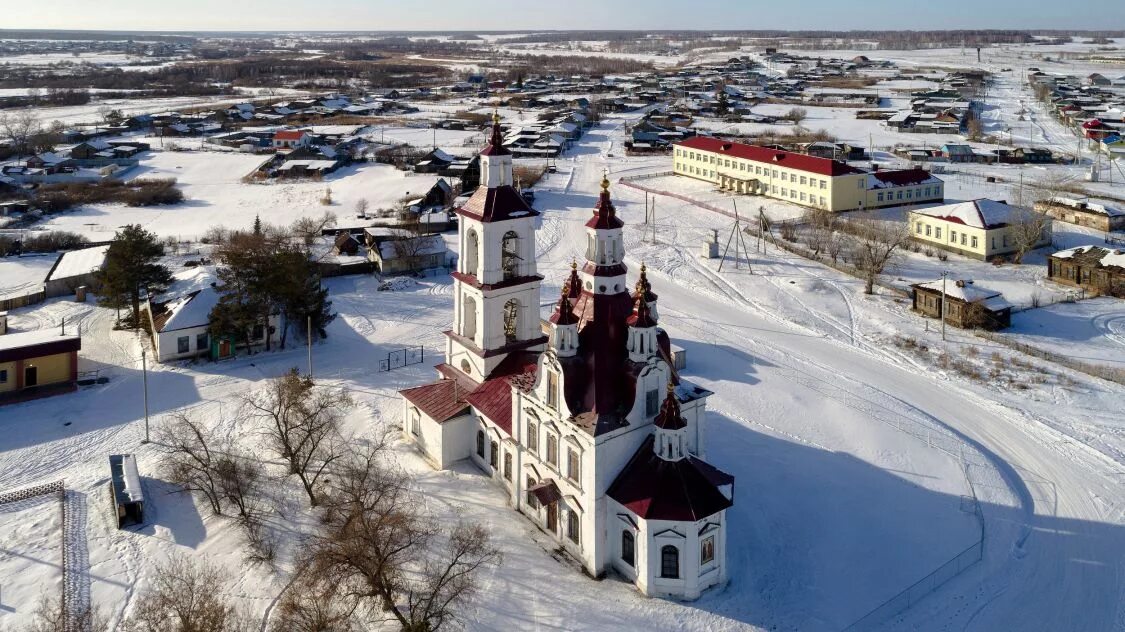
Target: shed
[(125, 490)]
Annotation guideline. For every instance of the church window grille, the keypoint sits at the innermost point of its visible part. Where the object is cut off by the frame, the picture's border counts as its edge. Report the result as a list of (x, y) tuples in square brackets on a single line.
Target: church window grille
[(627, 548), (652, 402), (532, 437), (509, 255), (480, 443), (553, 450), (494, 455), (572, 526), (511, 320), (552, 389), (669, 562), (573, 470), (508, 466)]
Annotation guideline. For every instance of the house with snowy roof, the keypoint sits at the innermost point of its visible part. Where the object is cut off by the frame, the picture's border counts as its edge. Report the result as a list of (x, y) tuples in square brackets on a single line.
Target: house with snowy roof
[(980, 229), (1103, 217), (74, 269), (291, 139), (1093, 268), (963, 304), (180, 327), (582, 420)]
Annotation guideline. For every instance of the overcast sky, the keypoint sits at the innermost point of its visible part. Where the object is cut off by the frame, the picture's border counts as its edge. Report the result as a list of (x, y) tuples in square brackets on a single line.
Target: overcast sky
[(164, 15)]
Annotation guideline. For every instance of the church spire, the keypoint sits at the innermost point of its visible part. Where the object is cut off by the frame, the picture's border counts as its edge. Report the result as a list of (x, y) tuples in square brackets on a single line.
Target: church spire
[(496, 141), (573, 283), (671, 429), (564, 311), (605, 214)]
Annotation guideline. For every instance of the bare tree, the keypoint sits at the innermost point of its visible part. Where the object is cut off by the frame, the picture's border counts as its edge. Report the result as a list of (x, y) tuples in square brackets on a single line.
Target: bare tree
[(20, 127), (184, 597), (311, 606), (50, 616), (190, 461), (875, 245), (388, 555), (836, 246), (302, 425), (797, 115), (361, 207), (311, 228), (239, 479)]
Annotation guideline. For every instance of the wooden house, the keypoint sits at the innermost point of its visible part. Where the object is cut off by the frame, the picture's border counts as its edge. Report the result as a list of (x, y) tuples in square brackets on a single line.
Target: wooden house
[(966, 305), (1093, 268)]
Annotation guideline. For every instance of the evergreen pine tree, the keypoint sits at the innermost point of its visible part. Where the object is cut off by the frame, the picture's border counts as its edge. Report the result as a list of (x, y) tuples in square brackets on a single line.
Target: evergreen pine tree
[(132, 268)]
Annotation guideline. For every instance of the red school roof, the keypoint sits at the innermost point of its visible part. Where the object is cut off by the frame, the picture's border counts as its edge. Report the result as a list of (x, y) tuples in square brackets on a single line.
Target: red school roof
[(289, 134), (800, 162)]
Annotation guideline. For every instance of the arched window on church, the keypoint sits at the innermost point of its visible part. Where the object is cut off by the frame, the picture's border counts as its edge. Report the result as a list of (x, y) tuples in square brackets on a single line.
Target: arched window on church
[(669, 562), (469, 317), (472, 253), (510, 255), (511, 320)]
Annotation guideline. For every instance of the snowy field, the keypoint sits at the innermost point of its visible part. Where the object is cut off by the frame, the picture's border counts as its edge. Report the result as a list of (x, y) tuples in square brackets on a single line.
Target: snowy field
[(216, 196)]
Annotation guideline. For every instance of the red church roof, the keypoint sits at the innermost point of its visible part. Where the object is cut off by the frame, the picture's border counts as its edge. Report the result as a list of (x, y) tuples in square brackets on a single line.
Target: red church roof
[(289, 134), (496, 141), (605, 214), (801, 162), (496, 205), (684, 490)]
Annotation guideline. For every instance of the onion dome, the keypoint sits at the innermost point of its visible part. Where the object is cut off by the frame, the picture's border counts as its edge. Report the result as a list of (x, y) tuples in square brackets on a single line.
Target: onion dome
[(642, 315), (496, 142), (605, 215), (669, 417), (573, 284), (564, 312), (643, 287)]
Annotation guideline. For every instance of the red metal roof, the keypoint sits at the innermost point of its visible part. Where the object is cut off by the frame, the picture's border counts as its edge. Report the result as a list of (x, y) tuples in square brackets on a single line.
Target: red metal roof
[(801, 162), (683, 490), (669, 417), (496, 205), (605, 214), (496, 142), (903, 177), (441, 401), (289, 134)]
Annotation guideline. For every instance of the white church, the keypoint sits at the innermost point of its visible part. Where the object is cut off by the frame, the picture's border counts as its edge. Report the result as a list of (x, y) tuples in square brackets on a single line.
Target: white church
[(581, 419)]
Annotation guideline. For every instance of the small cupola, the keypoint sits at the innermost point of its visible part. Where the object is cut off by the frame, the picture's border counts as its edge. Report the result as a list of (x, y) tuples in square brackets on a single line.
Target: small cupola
[(644, 289), (642, 343), (670, 428), (564, 326)]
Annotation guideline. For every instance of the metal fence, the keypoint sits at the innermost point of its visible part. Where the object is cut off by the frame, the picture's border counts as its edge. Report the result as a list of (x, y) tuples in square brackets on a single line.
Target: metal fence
[(402, 357), (67, 566), (918, 590)]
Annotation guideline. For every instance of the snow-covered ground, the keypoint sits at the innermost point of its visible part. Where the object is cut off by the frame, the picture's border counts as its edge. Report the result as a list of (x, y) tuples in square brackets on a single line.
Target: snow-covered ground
[(852, 454), (216, 196), (1092, 330)]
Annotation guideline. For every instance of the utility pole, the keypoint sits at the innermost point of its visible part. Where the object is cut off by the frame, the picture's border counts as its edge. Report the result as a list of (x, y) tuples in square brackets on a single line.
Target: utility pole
[(144, 382), (944, 274), (310, 345)]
